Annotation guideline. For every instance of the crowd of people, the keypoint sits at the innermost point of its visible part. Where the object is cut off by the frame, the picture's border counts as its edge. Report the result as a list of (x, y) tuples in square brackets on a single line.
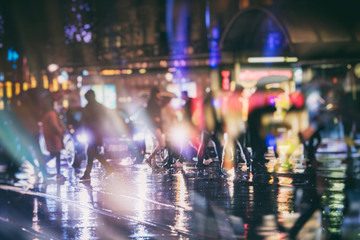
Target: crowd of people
[(230, 146)]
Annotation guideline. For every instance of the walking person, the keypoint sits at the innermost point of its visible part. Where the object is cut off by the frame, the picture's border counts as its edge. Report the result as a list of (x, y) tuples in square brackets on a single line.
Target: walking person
[(153, 109), (94, 118), (210, 132), (53, 131), (25, 116)]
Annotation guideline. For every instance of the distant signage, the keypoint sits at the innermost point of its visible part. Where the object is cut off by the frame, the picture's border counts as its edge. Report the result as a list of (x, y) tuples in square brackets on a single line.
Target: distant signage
[(225, 82), (256, 75)]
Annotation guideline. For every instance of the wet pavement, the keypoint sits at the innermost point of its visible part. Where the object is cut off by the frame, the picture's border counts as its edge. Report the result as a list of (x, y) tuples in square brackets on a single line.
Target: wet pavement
[(183, 203)]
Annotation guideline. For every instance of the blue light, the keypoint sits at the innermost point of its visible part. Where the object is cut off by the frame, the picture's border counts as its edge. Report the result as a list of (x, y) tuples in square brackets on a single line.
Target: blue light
[(270, 140), (64, 74), (215, 33), (85, 73), (12, 55), (213, 62), (207, 15), (169, 18)]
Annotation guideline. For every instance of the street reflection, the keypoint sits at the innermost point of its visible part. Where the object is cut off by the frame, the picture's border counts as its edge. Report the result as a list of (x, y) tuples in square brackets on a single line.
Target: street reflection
[(142, 204)]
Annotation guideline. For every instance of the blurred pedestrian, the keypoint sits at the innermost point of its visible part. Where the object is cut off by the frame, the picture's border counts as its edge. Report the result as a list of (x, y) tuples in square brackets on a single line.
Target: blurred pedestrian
[(53, 130), (259, 107), (25, 127), (94, 118), (153, 110), (212, 129)]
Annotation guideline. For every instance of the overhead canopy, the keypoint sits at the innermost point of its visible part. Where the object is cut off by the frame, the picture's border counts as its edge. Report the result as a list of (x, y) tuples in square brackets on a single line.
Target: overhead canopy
[(299, 29)]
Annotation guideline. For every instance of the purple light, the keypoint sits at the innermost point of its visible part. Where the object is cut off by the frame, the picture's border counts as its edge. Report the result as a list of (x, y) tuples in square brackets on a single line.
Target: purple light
[(272, 100), (87, 37)]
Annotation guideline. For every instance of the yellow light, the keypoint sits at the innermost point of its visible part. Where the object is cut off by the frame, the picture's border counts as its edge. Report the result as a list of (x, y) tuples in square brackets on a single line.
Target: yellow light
[(142, 70), (65, 103), (232, 86), (25, 86), (169, 76), (33, 82), (17, 88), (265, 59), (55, 84), (8, 89), (2, 105), (1, 90), (45, 81), (109, 72), (65, 85), (292, 59)]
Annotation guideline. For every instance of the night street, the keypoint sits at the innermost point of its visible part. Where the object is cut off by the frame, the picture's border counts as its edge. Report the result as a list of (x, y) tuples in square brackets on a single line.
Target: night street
[(181, 203), (179, 119)]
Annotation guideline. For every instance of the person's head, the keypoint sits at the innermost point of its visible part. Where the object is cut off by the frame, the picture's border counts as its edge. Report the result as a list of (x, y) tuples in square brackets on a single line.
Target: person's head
[(154, 92), (90, 96)]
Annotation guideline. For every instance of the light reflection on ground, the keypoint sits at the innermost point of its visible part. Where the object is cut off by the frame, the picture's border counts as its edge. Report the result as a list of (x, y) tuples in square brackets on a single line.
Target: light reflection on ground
[(179, 204)]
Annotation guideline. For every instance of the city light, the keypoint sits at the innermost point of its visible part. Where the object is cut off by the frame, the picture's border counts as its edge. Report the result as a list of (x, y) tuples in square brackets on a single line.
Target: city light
[(45, 81), (53, 67), (25, 86), (271, 59)]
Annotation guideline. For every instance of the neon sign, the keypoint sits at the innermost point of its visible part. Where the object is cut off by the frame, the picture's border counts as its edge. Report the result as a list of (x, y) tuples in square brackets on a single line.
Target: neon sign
[(256, 75), (225, 79)]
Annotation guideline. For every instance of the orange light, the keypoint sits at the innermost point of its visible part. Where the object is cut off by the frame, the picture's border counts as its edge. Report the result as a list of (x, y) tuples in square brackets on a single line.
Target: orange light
[(33, 82), (25, 86), (1, 90), (8, 89), (55, 84), (109, 72), (335, 80), (17, 88), (65, 85), (45, 81)]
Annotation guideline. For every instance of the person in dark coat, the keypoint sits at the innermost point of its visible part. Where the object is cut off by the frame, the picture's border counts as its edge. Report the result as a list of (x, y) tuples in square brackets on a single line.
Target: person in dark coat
[(94, 118)]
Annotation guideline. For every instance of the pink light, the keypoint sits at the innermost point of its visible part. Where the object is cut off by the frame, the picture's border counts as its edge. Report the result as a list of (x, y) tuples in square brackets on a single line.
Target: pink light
[(225, 81), (250, 75)]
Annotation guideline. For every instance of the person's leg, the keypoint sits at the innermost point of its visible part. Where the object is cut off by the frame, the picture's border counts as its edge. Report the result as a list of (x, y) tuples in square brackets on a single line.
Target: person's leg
[(218, 147), (58, 163), (103, 161), (205, 137), (160, 145), (90, 159), (57, 156)]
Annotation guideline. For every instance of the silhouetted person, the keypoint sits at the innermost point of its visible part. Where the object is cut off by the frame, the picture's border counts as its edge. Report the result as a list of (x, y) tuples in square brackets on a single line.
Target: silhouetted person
[(94, 121), (53, 130), (25, 129), (257, 137), (313, 188), (153, 110), (210, 132)]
